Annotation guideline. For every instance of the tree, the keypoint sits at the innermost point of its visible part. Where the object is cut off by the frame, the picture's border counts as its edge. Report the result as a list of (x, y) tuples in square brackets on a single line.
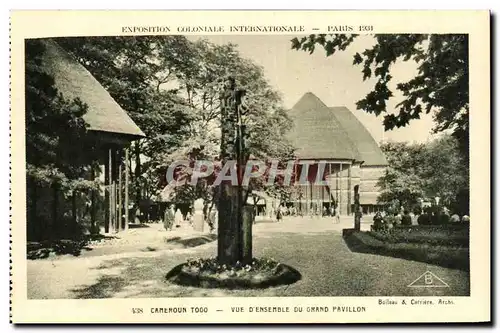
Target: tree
[(402, 180), (170, 87), (418, 171), (200, 82), (137, 72), (441, 85), (445, 174), (58, 152)]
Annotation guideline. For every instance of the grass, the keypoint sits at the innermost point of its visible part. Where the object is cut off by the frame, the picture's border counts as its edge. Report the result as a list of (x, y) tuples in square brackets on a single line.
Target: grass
[(314, 247)]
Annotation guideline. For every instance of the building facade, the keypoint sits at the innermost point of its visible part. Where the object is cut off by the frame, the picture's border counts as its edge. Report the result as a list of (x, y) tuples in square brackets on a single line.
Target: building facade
[(334, 137)]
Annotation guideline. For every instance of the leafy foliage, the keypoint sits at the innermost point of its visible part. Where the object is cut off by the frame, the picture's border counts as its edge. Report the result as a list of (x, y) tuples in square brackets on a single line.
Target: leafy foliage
[(424, 171), (170, 87), (58, 152), (136, 72), (441, 84)]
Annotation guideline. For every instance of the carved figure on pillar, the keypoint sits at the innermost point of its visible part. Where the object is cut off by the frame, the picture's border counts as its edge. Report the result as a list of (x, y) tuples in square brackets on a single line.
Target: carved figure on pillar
[(232, 240), (357, 209)]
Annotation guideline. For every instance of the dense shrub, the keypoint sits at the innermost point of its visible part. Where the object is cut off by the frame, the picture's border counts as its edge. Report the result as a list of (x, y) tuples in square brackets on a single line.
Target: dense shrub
[(456, 257), (451, 235), (423, 219), (406, 219)]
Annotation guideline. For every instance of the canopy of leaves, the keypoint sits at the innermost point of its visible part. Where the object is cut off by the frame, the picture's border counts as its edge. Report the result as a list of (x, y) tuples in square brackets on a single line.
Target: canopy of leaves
[(441, 84), (420, 171), (58, 152), (170, 87)]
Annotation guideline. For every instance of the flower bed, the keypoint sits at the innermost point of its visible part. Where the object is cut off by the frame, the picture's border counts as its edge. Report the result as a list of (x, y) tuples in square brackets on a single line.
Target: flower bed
[(208, 273)]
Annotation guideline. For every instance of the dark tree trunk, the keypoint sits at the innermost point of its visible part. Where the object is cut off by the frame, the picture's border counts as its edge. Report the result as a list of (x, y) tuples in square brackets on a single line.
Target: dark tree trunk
[(74, 226), (33, 223), (55, 208)]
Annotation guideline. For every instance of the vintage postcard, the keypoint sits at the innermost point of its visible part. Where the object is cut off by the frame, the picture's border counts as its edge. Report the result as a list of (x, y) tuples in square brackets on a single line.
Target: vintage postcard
[(250, 166)]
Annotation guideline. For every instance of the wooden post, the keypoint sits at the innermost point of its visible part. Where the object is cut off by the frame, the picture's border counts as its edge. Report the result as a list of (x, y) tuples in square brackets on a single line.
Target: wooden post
[(322, 199), (319, 203), (126, 188), (329, 187), (349, 189), (309, 204), (116, 225), (120, 189), (337, 191), (248, 218), (93, 203), (229, 244), (107, 196), (110, 190), (340, 189), (357, 212)]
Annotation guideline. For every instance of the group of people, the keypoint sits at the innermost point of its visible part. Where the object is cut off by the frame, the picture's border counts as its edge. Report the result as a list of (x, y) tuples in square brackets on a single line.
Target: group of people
[(175, 217), (429, 216), (282, 211)]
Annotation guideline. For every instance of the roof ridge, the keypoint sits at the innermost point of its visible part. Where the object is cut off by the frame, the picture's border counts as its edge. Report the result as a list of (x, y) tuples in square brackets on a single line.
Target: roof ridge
[(72, 79), (309, 100), (354, 147), (369, 150)]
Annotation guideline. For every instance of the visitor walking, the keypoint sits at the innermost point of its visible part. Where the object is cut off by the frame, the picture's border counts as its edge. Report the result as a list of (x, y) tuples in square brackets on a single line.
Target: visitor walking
[(279, 214), (178, 218), (168, 218), (406, 218), (337, 216)]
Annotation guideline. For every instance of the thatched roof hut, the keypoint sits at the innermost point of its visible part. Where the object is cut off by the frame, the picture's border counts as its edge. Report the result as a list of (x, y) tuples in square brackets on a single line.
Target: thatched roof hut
[(108, 124), (73, 80)]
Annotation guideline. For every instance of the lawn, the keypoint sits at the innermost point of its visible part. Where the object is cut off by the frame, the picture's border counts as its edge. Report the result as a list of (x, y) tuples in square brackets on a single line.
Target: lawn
[(314, 247)]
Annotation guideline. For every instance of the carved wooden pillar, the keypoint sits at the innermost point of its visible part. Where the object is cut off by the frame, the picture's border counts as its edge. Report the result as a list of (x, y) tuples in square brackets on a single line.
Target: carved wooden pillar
[(120, 191), (125, 227), (107, 191), (329, 187), (357, 212), (349, 189), (340, 190)]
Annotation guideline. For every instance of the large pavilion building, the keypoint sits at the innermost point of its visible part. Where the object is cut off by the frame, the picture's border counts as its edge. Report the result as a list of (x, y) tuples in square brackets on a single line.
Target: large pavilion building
[(335, 137)]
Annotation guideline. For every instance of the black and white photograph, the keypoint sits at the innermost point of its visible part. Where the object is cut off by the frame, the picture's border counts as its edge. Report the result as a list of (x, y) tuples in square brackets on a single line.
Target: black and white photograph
[(130, 140), (196, 172)]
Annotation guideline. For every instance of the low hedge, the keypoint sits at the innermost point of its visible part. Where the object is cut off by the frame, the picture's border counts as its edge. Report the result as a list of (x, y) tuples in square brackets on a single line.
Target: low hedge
[(446, 235), (443, 255)]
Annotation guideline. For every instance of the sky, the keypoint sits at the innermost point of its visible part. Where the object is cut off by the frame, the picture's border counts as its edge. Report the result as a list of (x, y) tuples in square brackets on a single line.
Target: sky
[(334, 79)]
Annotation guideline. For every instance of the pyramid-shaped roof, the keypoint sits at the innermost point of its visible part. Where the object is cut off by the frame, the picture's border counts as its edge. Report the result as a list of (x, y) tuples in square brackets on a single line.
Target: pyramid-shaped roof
[(322, 132), (75, 81)]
